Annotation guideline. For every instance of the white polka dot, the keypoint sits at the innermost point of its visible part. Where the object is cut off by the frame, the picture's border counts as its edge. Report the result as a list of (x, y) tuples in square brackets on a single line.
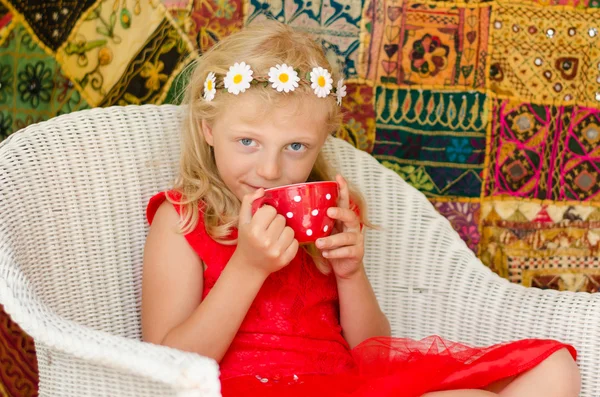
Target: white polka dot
[(315, 212), (328, 196), (289, 215), (309, 232), (326, 228), (297, 199)]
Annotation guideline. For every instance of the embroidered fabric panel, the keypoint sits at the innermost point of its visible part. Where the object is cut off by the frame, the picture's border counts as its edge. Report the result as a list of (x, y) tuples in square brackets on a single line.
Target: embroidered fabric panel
[(542, 245), (334, 23), (544, 152), (433, 139), (416, 43)]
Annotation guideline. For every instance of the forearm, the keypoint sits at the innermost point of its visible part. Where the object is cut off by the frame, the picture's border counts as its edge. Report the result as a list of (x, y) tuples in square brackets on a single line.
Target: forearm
[(215, 322), (360, 315)]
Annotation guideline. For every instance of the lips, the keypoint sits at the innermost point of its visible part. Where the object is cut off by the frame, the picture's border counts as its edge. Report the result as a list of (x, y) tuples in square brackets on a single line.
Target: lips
[(258, 187), (254, 187)]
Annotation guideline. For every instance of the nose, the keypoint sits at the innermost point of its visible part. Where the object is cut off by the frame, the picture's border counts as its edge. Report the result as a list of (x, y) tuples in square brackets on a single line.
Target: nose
[(268, 167)]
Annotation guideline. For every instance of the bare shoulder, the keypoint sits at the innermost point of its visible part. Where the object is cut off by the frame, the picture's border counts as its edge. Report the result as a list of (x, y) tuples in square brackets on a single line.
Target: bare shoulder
[(164, 236), (165, 214), (172, 279)]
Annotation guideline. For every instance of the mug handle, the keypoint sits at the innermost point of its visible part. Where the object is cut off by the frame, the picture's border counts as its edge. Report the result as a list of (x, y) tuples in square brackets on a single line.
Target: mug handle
[(264, 200)]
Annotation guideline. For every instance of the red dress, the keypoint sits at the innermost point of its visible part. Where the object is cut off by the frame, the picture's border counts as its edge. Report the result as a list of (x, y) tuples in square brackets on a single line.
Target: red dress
[(290, 342)]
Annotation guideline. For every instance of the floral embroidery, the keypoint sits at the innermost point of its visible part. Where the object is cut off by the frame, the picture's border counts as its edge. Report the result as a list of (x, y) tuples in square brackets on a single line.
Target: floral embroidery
[(429, 56), (35, 83)]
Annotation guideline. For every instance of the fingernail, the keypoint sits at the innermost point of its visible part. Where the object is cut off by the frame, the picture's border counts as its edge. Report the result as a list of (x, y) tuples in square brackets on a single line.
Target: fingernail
[(325, 254), (320, 243)]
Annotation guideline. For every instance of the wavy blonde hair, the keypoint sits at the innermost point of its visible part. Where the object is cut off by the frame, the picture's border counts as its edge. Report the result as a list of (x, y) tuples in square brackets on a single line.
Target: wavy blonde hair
[(261, 46)]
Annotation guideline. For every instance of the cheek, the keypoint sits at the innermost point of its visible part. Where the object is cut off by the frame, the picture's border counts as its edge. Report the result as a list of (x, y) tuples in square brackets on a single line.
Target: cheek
[(223, 162), (233, 166), (299, 170)]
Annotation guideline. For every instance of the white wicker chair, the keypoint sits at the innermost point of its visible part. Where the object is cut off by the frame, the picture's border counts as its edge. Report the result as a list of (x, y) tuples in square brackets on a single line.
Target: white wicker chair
[(73, 192)]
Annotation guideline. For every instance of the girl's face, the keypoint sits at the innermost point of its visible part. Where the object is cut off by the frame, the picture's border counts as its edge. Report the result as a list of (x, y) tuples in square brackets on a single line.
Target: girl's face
[(255, 148)]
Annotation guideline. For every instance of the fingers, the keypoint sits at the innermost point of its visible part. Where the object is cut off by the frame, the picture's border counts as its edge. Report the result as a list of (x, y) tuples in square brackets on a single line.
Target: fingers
[(338, 240), (290, 252), (270, 229), (263, 218), (246, 207), (353, 251), (279, 244), (345, 215), (344, 197), (277, 224), (276, 227), (288, 244), (286, 237)]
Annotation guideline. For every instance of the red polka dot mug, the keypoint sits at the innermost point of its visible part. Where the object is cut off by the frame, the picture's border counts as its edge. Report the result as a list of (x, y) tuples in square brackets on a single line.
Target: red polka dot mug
[(304, 206)]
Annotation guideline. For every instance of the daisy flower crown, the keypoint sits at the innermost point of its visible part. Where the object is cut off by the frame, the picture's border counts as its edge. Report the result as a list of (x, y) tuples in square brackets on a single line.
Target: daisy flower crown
[(281, 78)]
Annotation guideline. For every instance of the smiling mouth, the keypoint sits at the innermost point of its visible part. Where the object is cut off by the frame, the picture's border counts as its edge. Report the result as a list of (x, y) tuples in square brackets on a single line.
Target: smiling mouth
[(254, 187)]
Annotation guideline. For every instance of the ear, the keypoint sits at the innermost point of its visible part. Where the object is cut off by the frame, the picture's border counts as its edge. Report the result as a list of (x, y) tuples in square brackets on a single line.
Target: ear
[(207, 131)]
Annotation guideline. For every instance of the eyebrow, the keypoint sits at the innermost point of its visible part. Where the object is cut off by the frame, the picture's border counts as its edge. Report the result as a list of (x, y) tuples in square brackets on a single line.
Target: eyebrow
[(253, 133), (246, 132)]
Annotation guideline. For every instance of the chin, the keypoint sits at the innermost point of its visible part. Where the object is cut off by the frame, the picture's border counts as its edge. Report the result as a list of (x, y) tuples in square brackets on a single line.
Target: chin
[(244, 190)]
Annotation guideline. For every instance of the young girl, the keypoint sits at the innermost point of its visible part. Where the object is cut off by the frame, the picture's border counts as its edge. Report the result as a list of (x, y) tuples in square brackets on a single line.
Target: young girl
[(285, 320)]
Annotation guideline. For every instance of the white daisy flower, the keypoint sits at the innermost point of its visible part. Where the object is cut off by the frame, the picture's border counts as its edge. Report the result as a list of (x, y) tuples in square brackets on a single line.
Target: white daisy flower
[(238, 78), (283, 78), (210, 87), (340, 91), (321, 82)]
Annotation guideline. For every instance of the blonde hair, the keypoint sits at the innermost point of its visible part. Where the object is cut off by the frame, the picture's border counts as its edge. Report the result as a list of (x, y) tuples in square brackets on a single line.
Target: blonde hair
[(261, 46)]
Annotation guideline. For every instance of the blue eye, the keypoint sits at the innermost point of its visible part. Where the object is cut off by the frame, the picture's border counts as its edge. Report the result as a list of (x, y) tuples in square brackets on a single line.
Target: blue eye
[(246, 141), (297, 147)]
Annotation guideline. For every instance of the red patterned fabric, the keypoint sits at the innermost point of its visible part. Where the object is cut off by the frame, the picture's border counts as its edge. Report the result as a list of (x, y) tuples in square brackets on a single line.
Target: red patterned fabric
[(18, 364), (290, 342)]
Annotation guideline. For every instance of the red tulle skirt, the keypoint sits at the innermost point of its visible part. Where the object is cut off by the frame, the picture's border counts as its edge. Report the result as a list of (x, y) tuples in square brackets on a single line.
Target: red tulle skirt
[(407, 368)]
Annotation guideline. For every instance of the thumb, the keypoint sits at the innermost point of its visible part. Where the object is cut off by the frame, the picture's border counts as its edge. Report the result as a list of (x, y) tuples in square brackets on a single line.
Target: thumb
[(246, 208)]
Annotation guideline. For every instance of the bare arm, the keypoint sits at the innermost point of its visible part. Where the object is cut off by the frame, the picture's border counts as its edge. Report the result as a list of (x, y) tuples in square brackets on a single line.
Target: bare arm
[(360, 315), (172, 313)]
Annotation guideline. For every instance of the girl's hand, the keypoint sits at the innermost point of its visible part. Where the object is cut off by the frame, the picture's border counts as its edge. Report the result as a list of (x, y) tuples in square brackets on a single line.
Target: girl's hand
[(265, 243), (345, 247)]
